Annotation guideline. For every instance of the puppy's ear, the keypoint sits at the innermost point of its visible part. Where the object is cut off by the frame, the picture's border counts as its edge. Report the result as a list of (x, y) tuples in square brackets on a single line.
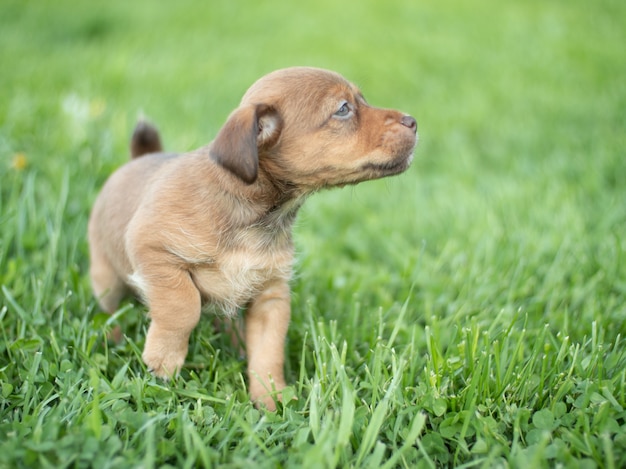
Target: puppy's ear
[(247, 130)]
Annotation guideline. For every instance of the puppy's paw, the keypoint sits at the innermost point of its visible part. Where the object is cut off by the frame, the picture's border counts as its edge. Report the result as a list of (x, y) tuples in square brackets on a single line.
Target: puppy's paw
[(164, 354), (267, 394), (115, 335), (163, 366)]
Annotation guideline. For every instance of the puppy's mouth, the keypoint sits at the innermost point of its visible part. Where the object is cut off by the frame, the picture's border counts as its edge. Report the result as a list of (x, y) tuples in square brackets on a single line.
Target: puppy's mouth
[(403, 151), (392, 167)]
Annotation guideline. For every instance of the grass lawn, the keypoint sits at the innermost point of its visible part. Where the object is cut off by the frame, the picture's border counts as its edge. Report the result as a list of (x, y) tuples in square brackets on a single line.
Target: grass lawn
[(470, 312)]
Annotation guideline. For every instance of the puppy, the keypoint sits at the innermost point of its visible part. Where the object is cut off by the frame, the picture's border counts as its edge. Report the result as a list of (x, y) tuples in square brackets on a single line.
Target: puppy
[(213, 226)]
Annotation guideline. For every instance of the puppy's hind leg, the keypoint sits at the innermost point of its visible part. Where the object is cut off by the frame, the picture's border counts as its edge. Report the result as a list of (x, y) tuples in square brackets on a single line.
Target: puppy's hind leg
[(108, 287)]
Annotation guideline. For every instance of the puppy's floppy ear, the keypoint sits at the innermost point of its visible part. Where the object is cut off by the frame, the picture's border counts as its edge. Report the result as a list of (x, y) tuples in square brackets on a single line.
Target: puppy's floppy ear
[(248, 129)]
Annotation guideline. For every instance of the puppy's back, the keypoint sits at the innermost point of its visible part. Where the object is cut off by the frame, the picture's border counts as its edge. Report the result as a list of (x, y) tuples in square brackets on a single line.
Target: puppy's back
[(116, 205)]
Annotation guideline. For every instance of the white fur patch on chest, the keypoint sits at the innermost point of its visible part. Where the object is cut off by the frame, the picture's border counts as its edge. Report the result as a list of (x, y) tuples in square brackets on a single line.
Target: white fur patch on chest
[(235, 279)]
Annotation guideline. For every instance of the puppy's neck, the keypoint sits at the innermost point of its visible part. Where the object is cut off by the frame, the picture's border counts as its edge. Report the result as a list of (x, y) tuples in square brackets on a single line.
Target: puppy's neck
[(282, 201)]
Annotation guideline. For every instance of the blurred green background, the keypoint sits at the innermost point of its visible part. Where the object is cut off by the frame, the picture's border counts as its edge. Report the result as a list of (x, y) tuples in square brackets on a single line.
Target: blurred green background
[(510, 224), (515, 201), (516, 196)]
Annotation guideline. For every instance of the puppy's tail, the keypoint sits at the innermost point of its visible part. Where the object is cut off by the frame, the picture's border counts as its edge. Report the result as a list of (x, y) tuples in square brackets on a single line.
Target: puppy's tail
[(145, 140)]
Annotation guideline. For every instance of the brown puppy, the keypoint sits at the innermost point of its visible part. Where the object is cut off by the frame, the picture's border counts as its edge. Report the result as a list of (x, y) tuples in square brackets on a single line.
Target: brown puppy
[(213, 226)]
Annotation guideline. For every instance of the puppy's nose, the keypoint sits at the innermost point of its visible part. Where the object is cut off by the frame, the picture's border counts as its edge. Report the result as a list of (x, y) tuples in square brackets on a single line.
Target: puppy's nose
[(409, 122)]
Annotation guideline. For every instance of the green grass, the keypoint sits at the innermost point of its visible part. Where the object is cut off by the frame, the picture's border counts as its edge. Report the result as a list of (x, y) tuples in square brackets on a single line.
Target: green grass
[(471, 312)]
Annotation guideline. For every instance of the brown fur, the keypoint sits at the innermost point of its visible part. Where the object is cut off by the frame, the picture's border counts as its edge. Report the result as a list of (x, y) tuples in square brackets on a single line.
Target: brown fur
[(213, 226), (145, 140)]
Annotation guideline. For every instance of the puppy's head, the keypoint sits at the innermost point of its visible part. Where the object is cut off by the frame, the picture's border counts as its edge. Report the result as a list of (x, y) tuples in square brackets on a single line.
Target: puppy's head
[(309, 128)]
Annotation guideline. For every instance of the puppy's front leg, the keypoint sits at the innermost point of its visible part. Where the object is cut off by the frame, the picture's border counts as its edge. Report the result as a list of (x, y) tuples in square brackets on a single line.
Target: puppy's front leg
[(267, 320), (175, 306)]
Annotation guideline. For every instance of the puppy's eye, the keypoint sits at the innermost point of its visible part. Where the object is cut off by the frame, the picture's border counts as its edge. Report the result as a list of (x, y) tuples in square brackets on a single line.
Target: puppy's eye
[(344, 110)]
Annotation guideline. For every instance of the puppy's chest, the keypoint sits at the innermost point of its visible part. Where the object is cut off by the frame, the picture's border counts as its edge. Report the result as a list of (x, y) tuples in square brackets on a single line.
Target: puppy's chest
[(240, 272)]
